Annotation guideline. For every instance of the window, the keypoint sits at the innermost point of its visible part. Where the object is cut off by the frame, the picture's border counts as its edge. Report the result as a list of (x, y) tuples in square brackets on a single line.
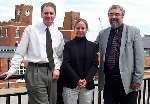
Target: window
[(6, 32), (1, 32), (18, 33), (147, 52), (21, 70)]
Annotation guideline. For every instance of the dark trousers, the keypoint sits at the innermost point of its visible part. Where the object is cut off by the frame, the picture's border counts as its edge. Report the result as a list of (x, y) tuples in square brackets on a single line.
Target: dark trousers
[(42, 89), (114, 92), (59, 91)]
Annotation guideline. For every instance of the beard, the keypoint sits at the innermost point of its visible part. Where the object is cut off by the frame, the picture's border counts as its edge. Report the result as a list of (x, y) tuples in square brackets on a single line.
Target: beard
[(115, 23)]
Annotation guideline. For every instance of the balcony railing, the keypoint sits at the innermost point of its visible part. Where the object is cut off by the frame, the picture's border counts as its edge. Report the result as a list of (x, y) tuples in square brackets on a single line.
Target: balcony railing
[(143, 97)]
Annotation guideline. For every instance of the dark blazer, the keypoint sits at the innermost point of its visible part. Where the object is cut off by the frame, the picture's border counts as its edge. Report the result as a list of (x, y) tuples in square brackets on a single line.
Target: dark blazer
[(71, 71)]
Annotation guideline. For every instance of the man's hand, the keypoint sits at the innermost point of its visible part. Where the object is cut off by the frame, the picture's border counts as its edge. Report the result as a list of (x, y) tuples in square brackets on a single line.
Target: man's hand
[(56, 74), (135, 86), (7, 74)]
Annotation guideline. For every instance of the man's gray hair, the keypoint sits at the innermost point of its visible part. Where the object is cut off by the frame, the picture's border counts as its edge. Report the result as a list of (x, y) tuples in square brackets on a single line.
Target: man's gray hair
[(117, 7)]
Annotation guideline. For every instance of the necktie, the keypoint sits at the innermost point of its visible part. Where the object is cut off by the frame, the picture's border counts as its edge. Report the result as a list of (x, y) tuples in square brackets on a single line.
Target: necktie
[(49, 49), (113, 51)]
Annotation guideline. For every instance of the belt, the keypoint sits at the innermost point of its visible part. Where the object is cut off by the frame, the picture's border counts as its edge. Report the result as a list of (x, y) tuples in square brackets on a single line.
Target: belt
[(39, 64)]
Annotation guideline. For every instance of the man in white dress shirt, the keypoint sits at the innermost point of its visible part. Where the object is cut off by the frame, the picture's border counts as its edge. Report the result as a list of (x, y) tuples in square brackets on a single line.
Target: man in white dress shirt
[(41, 78)]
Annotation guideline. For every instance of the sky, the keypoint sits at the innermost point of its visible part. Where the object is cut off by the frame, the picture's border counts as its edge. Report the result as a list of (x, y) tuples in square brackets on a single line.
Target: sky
[(94, 11)]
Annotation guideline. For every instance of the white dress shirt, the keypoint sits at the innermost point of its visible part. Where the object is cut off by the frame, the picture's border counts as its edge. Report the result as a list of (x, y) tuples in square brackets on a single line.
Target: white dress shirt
[(33, 46)]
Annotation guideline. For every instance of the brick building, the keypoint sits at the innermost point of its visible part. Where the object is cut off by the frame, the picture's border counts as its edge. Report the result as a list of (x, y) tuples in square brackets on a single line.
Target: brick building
[(146, 42), (68, 24), (11, 31)]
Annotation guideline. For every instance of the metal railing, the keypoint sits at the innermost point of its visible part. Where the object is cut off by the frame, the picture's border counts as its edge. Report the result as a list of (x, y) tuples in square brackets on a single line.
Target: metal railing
[(143, 97)]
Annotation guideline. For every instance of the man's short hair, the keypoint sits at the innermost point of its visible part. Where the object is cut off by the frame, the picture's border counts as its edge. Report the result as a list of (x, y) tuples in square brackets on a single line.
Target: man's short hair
[(50, 4), (117, 7)]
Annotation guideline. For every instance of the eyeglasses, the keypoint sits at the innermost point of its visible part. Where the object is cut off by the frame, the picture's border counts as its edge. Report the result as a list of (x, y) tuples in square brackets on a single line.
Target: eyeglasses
[(114, 14)]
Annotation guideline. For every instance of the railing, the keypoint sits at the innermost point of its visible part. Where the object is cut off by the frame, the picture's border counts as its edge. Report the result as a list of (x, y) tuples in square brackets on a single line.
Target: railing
[(146, 88), (143, 94), (9, 91), (143, 97)]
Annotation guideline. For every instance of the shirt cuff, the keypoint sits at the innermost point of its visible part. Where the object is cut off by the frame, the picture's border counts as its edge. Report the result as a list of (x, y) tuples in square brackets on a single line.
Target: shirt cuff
[(12, 70), (57, 67)]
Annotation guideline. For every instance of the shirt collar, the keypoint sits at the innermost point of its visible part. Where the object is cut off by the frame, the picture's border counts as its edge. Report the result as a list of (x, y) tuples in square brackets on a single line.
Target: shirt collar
[(43, 26)]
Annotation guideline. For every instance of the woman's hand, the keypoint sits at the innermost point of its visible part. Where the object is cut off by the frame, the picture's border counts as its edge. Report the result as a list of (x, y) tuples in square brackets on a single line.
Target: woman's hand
[(82, 83)]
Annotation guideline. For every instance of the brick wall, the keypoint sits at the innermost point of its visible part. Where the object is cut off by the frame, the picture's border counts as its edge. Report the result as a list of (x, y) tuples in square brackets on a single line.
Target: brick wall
[(147, 61), (12, 30)]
